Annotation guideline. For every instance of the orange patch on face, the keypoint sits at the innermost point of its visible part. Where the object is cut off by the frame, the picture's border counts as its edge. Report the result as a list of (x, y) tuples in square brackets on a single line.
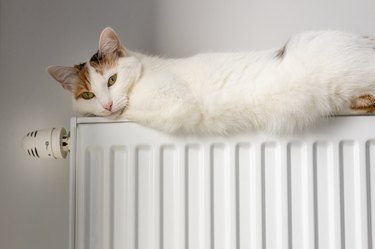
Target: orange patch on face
[(364, 103), (83, 83)]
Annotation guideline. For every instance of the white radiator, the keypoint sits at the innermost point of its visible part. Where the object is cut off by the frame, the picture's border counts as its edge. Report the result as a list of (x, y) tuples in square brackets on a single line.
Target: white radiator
[(135, 188)]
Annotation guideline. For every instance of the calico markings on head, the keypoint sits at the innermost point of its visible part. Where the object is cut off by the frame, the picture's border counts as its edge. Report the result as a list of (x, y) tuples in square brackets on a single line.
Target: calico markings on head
[(101, 86)]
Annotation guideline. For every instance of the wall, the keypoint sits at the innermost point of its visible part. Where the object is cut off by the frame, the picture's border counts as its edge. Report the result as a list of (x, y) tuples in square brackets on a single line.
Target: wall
[(34, 34), (190, 26)]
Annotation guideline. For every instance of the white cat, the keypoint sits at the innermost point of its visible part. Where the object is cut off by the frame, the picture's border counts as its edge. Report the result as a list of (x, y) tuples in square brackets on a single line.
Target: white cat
[(314, 75)]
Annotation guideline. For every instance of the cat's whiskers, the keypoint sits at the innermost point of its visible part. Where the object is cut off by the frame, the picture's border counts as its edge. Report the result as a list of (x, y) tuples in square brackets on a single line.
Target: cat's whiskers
[(122, 102)]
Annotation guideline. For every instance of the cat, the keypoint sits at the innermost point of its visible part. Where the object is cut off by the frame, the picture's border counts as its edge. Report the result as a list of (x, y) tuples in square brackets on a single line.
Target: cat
[(286, 90)]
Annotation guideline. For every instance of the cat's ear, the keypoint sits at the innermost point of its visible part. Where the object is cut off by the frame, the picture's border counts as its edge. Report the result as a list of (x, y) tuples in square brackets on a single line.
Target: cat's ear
[(109, 43), (66, 76)]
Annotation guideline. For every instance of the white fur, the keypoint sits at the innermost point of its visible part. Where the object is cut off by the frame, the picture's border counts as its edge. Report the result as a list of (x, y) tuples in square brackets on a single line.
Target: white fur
[(319, 75)]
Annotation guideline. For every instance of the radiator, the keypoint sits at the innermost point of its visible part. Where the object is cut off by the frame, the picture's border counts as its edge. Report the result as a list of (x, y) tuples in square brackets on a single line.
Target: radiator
[(135, 188)]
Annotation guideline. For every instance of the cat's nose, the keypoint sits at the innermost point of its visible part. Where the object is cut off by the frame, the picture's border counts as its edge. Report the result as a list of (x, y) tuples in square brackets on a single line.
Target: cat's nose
[(108, 106)]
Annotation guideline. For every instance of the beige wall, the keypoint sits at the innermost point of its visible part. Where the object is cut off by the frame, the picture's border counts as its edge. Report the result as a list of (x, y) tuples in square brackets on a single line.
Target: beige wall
[(191, 26), (33, 35), (36, 33)]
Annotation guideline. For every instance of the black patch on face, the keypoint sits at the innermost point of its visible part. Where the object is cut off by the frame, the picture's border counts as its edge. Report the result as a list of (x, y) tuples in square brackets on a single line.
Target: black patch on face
[(80, 66), (95, 58), (281, 53)]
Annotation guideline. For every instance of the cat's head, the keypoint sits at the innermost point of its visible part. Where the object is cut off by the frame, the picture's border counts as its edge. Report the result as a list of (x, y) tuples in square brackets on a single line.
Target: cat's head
[(101, 86)]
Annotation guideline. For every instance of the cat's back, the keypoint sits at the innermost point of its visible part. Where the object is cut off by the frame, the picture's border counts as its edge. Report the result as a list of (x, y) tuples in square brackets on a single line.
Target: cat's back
[(214, 71), (328, 43), (303, 54)]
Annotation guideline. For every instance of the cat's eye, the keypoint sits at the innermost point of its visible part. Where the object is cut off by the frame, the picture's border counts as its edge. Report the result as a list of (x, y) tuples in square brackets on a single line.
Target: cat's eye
[(87, 95), (112, 80)]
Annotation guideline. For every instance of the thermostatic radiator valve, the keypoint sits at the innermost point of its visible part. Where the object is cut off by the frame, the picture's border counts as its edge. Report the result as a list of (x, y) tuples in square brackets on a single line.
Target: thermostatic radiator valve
[(50, 143)]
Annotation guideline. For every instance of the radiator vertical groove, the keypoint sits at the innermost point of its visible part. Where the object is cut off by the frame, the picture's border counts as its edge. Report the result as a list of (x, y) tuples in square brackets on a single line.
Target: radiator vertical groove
[(223, 201), (340, 174), (85, 228), (183, 197), (194, 168), (95, 187), (351, 184), (311, 158), (243, 225), (81, 199), (309, 197), (206, 237), (88, 201), (237, 196), (276, 196), (173, 193), (186, 195), (291, 236), (161, 201), (106, 201), (301, 167), (231, 168), (360, 202), (131, 222), (211, 177), (156, 185), (121, 217), (180, 193), (370, 167), (336, 200), (253, 196), (284, 198), (302, 158), (148, 215), (134, 159), (363, 194), (265, 215)]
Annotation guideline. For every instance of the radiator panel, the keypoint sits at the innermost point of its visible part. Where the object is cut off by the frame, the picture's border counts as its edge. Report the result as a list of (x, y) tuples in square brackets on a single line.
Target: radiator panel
[(138, 188)]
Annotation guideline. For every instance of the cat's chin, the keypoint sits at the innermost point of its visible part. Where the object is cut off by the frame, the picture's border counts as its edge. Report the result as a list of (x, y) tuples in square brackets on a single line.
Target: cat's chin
[(116, 114)]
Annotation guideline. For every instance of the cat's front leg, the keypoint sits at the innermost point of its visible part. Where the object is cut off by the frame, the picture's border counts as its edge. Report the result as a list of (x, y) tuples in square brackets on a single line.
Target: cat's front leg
[(179, 119), (170, 107)]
